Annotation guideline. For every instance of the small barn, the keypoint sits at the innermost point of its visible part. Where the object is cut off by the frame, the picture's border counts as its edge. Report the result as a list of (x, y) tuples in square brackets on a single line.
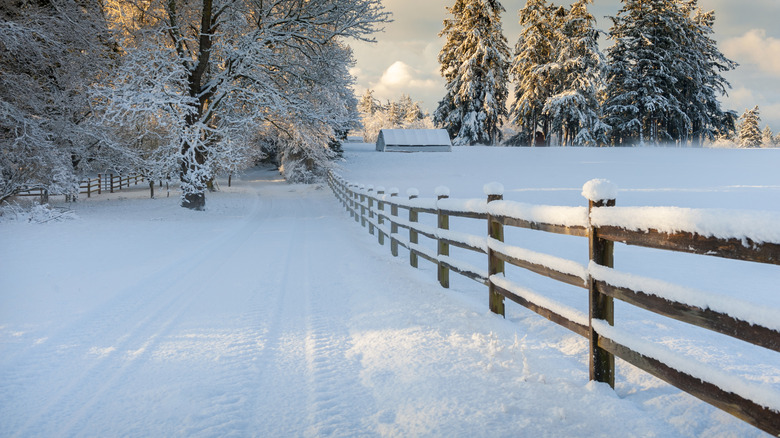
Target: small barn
[(413, 140)]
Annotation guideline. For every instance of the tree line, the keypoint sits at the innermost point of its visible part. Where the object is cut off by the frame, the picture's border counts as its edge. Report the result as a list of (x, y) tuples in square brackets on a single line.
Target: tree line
[(174, 87), (659, 82)]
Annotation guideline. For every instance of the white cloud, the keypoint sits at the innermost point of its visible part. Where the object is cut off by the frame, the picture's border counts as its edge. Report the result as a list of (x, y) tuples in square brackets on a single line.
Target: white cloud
[(401, 78), (756, 48)]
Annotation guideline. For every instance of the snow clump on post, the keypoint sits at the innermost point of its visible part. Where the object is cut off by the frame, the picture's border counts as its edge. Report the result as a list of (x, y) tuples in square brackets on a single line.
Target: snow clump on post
[(599, 190), (493, 188), (442, 191), (412, 193)]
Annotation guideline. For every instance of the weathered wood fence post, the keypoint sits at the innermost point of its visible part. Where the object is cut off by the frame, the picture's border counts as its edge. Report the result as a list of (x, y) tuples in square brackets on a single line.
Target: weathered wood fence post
[(494, 192), (362, 206), (443, 222), (370, 210), (380, 207), (413, 217), (600, 193), (394, 222)]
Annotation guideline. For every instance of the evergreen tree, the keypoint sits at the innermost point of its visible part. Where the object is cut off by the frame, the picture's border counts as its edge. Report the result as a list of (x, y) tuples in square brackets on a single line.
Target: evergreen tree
[(534, 50), (640, 87), (665, 73), (578, 75), (767, 138), (749, 131), (473, 64), (368, 104), (700, 81)]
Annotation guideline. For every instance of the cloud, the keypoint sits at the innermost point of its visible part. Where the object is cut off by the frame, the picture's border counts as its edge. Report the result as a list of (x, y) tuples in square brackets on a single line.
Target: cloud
[(401, 78), (756, 48)]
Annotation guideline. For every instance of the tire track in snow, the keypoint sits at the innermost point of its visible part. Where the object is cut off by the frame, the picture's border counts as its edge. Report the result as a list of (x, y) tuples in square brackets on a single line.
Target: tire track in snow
[(237, 410), (339, 405), (164, 296)]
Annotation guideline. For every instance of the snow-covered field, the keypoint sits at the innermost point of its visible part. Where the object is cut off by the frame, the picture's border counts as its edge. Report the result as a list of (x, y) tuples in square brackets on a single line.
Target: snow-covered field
[(274, 314)]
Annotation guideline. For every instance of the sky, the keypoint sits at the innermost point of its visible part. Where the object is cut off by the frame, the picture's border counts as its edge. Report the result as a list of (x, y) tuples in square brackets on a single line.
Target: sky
[(404, 59)]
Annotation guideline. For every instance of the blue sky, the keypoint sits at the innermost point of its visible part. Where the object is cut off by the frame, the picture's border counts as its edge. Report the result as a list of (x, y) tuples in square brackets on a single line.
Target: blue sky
[(405, 58)]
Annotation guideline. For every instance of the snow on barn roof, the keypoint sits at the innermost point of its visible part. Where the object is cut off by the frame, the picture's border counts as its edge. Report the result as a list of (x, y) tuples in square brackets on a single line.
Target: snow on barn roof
[(413, 140)]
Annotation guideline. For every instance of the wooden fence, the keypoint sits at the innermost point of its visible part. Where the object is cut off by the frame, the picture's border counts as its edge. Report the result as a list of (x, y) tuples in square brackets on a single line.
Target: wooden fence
[(602, 224), (103, 182)]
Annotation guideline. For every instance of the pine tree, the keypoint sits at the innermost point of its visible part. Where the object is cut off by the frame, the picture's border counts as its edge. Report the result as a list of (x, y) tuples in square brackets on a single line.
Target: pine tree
[(767, 138), (700, 82), (534, 50), (473, 64), (368, 105), (578, 72), (749, 132), (665, 73), (640, 86)]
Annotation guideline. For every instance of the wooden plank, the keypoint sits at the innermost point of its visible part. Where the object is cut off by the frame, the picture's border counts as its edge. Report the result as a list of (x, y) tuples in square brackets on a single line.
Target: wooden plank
[(742, 408), (557, 318), (696, 244), (463, 245), (425, 256), (465, 214), (550, 228), (468, 274), (705, 318), (544, 270), (424, 210)]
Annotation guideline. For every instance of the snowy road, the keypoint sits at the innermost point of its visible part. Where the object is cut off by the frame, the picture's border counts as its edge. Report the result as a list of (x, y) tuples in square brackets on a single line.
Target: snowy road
[(274, 314)]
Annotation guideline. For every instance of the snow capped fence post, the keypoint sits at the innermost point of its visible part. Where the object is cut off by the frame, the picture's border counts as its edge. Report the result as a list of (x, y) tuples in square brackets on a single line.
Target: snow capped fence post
[(362, 206), (394, 223), (100, 184), (413, 216), (370, 210), (380, 206), (443, 222), (600, 193), (494, 192)]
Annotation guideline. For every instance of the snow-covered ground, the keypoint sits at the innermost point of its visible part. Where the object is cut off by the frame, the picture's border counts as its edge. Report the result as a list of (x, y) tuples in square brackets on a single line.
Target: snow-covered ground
[(273, 313)]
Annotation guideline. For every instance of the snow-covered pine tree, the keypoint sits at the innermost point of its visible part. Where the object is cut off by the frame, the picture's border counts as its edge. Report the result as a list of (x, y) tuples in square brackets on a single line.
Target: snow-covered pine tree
[(473, 64), (749, 132), (534, 51), (699, 79), (643, 63), (665, 74), (767, 138), (578, 71), (368, 104)]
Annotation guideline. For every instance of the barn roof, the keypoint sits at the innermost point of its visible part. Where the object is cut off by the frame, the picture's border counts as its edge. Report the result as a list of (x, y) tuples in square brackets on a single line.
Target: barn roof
[(413, 140)]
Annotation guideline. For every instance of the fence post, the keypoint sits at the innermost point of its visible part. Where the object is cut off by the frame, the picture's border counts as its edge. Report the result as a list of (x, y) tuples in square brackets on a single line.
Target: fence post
[(393, 223), (494, 192), (112, 183), (120, 181), (362, 206), (600, 193), (100, 184), (443, 222), (380, 207), (413, 216), (370, 210)]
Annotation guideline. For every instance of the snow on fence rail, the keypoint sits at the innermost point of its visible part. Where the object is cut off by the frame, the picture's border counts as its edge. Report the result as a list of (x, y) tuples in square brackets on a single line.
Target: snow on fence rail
[(109, 183), (735, 235)]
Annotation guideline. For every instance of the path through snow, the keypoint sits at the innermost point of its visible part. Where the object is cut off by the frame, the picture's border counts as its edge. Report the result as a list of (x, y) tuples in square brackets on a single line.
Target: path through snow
[(273, 314)]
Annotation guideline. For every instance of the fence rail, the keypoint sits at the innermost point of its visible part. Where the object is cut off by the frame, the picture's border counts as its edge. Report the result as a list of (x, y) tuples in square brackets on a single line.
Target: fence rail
[(103, 182), (602, 225)]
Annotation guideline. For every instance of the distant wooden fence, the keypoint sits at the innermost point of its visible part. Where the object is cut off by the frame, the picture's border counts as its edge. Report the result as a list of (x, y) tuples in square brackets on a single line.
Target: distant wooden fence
[(104, 182), (602, 224)]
